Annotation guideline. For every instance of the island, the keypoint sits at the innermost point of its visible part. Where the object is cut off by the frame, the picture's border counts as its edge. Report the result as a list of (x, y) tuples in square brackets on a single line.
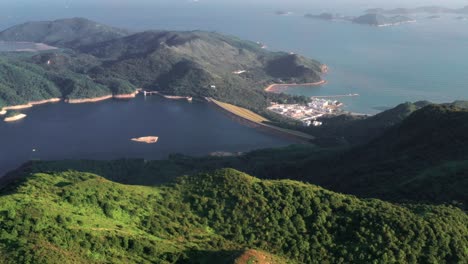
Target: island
[(381, 20), (14, 116), (421, 9), (434, 17), (147, 140), (283, 13), (372, 19), (327, 16)]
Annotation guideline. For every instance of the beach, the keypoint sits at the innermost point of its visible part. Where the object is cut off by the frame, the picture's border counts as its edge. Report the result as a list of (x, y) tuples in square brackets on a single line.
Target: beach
[(5, 109), (126, 96), (89, 100)]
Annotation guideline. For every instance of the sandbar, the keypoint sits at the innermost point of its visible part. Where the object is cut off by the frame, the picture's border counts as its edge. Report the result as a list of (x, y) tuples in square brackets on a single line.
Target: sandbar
[(147, 140), (14, 118)]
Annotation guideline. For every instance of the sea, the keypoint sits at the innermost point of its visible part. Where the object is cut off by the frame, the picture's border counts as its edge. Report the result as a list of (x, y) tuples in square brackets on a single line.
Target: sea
[(384, 66)]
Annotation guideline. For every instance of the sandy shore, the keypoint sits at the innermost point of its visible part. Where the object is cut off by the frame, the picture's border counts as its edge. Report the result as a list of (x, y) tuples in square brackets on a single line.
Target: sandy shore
[(126, 96), (89, 100), (17, 107), (147, 140), (14, 118), (278, 88), (51, 100), (28, 105), (102, 98)]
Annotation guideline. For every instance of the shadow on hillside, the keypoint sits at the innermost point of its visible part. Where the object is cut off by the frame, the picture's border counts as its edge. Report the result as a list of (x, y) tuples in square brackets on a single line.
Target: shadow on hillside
[(210, 256)]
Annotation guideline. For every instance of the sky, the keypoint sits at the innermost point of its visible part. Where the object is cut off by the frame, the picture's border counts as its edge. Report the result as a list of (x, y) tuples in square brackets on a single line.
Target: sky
[(272, 3)]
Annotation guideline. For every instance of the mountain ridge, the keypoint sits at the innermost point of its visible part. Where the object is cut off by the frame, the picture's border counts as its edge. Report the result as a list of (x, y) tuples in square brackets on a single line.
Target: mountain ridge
[(212, 217)]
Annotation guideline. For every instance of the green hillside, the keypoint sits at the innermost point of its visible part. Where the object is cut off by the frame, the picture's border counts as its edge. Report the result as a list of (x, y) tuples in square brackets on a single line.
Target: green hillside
[(213, 218), (99, 60), (357, 130), (69, 33)]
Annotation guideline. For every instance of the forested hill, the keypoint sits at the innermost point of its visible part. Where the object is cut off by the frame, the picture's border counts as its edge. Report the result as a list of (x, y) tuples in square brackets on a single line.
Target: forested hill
[(68, 33), (213, 218), (100, 60)]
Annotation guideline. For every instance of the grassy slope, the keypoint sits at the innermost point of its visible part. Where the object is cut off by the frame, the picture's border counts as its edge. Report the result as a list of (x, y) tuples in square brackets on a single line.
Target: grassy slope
[(211, 218)]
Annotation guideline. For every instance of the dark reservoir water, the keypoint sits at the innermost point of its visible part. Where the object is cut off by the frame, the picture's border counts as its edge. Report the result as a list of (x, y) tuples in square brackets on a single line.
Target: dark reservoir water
[(103, 131)]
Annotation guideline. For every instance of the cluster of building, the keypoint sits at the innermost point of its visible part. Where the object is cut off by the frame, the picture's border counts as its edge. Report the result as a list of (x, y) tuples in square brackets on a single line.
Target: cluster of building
[(308, 114)]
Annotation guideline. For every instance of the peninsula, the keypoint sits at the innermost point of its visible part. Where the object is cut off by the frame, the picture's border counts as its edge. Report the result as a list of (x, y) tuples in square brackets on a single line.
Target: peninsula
[(102, 62)]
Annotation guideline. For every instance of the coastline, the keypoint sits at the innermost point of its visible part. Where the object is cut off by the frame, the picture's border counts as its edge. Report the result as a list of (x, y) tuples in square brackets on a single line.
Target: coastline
[(126, 96), (89, 100), (14, 118), (5, 109), (102, 98), (280, 87), (171, 97)]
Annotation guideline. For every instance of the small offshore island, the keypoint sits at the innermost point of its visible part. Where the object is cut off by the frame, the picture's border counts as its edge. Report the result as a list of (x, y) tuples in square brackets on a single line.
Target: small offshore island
[(371, 19), (147, 140), (14, 117)]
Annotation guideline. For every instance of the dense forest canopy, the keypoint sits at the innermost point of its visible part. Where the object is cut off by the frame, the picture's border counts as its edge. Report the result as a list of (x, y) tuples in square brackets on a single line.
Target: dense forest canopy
[(213, 217)]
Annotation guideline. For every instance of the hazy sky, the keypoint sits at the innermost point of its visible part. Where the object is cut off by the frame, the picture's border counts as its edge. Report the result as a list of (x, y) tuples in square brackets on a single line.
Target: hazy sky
[(272, 3)]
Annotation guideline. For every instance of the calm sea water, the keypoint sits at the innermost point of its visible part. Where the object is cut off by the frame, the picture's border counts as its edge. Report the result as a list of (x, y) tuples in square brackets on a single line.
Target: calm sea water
[(426, 60), (103, 131)]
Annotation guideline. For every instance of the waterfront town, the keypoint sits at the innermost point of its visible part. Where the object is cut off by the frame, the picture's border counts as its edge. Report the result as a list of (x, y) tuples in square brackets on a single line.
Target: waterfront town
[(308, 114)]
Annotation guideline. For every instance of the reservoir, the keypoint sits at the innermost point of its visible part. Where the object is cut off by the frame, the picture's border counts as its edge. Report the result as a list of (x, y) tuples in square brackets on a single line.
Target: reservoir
[(104, 131)]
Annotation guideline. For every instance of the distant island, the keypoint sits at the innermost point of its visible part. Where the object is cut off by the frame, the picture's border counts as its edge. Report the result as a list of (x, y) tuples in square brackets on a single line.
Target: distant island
[(324, 16), (374, 19), (421, 9), (283, 13), (381, 20), (434, 17)]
